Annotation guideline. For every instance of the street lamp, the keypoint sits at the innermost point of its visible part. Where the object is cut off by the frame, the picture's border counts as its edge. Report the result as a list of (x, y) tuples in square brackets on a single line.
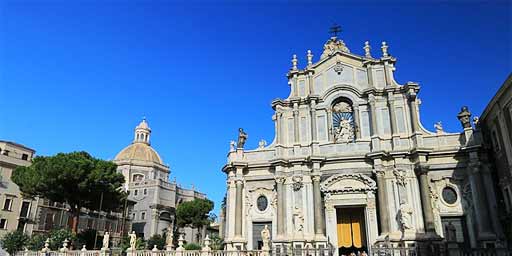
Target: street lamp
[(99, 212)]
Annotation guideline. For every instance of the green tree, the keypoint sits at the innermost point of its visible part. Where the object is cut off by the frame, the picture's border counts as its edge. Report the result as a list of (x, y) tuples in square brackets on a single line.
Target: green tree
[(14, 241), (194, 213), (36, 242), (157, 240), (76, 178), (57, 237)]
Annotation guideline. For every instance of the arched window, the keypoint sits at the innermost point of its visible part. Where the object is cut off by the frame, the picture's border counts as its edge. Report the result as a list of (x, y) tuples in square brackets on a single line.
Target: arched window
[(343, 121), (137, 177)]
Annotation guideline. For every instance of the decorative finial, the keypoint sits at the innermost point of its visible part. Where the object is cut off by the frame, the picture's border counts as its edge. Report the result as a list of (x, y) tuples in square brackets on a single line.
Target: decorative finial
[(439, 128), (367, 49), (294, 62), (310, 58), (262, 144), (334, 30), (384, 48), (464, 116)]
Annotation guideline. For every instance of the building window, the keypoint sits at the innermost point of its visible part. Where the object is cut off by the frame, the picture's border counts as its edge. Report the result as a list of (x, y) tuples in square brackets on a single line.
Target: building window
[(142, 215), (7, 204), (3, 223), (449, 195), (137, 177), (136, 192), (24, 157), (25, 209), (262, 203), (133, 216), (5, 152), (343, 121), (145, 191)]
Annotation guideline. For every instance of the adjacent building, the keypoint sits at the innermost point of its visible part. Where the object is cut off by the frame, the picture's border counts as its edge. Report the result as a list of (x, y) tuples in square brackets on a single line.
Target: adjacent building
[(496, 125), (352, 166), (148, 185), (16, 212)]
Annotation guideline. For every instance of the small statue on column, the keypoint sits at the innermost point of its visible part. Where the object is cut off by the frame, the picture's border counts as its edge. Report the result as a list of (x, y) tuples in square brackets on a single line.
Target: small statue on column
[(464, 116), (106, 240), (169, 238), (242, 137), (133, 241)]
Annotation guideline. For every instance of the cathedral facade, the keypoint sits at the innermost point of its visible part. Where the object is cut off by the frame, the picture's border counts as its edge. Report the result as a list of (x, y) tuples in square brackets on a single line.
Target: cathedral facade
[(351, 166), (148, 185)]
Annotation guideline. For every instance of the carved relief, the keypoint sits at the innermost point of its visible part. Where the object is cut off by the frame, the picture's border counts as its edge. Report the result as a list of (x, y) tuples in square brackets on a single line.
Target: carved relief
[(343, 122), (297, 183), (332, 46), (348, 183), (298, 219)]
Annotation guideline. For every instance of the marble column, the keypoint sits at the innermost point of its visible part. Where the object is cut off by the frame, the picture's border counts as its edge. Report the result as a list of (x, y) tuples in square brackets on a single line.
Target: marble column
[(278, 125), (392, 114), (313, 120), (329, 124), (428, 214), (296, 123), (413, 107), (373, 113), (479, 202), (280, 206), (382, 196), (317, 204), (238, 209), (357, 122)]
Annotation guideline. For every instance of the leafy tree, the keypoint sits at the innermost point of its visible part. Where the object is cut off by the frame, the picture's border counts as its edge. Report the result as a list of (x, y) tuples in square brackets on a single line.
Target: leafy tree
[(217, 243), (57, 237), (87, 237), (194, 213), (14, 241), (157, 240), (36, 242), (192, 247), (75, 178)]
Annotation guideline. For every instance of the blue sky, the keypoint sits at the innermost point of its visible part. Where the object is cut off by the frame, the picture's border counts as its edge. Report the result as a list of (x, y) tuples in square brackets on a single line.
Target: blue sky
[(80, 75)]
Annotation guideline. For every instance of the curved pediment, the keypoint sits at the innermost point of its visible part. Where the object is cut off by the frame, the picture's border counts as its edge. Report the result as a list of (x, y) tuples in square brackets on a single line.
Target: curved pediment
[(348, 183)]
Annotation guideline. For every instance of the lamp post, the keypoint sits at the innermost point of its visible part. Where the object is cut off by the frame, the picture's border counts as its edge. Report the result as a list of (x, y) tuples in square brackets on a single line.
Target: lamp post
[(99, 215)]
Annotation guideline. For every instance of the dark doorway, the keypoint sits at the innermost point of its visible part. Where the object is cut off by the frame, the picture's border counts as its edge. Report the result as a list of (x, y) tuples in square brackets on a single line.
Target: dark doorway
[(257, 227), (351, 230)]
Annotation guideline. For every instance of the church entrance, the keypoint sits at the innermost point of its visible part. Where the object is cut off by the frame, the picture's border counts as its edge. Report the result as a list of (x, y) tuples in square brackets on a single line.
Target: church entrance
[(257, 227), (351, 230)]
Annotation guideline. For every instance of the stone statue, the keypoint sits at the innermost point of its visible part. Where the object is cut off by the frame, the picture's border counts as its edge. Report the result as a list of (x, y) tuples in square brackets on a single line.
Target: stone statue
[(476, 121), (265, 236), (262, 144), (133, 240), (332, 46), (405, 217), (232, 146), (464, 116), (106, 238), (298, 219), (242, 137), (451, 232), (439, 127), (169, 237)]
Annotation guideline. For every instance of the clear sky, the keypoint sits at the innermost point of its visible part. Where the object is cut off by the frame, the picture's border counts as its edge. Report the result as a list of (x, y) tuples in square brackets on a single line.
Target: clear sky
[(80, 75)]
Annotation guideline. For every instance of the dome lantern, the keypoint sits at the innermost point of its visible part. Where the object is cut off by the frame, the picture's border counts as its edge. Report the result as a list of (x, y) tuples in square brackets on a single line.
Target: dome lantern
[(142, 132)]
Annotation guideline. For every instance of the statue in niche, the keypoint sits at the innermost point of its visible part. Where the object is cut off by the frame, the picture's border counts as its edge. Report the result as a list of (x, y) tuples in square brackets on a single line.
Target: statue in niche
[(401, 182), (265, 236), (298, 218), (343, 122), (405, 217), (242, 137)]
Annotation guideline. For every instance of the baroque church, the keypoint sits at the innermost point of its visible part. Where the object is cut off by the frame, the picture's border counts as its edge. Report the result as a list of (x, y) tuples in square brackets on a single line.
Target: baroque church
[(351, 166), (148, 185)]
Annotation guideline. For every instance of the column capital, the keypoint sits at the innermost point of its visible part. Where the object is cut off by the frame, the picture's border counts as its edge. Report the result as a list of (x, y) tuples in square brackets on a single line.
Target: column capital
[(422, 169), (315, 177), (280, 179), (381, 172)]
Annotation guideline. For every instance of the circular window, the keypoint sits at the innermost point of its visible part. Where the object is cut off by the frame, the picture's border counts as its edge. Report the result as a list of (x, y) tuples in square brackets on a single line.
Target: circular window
[(449, 195), (262, 203)]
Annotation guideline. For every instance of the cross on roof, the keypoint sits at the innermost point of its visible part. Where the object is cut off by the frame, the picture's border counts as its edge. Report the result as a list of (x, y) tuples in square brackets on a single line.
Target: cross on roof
[(335, 29)]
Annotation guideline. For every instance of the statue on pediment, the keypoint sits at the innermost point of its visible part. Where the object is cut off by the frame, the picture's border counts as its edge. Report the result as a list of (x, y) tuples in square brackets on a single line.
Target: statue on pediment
[(242, 137), (332, 46)]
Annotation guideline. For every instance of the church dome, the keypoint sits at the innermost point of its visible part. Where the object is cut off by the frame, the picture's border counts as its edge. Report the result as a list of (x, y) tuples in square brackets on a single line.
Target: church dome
[(140, 149)]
